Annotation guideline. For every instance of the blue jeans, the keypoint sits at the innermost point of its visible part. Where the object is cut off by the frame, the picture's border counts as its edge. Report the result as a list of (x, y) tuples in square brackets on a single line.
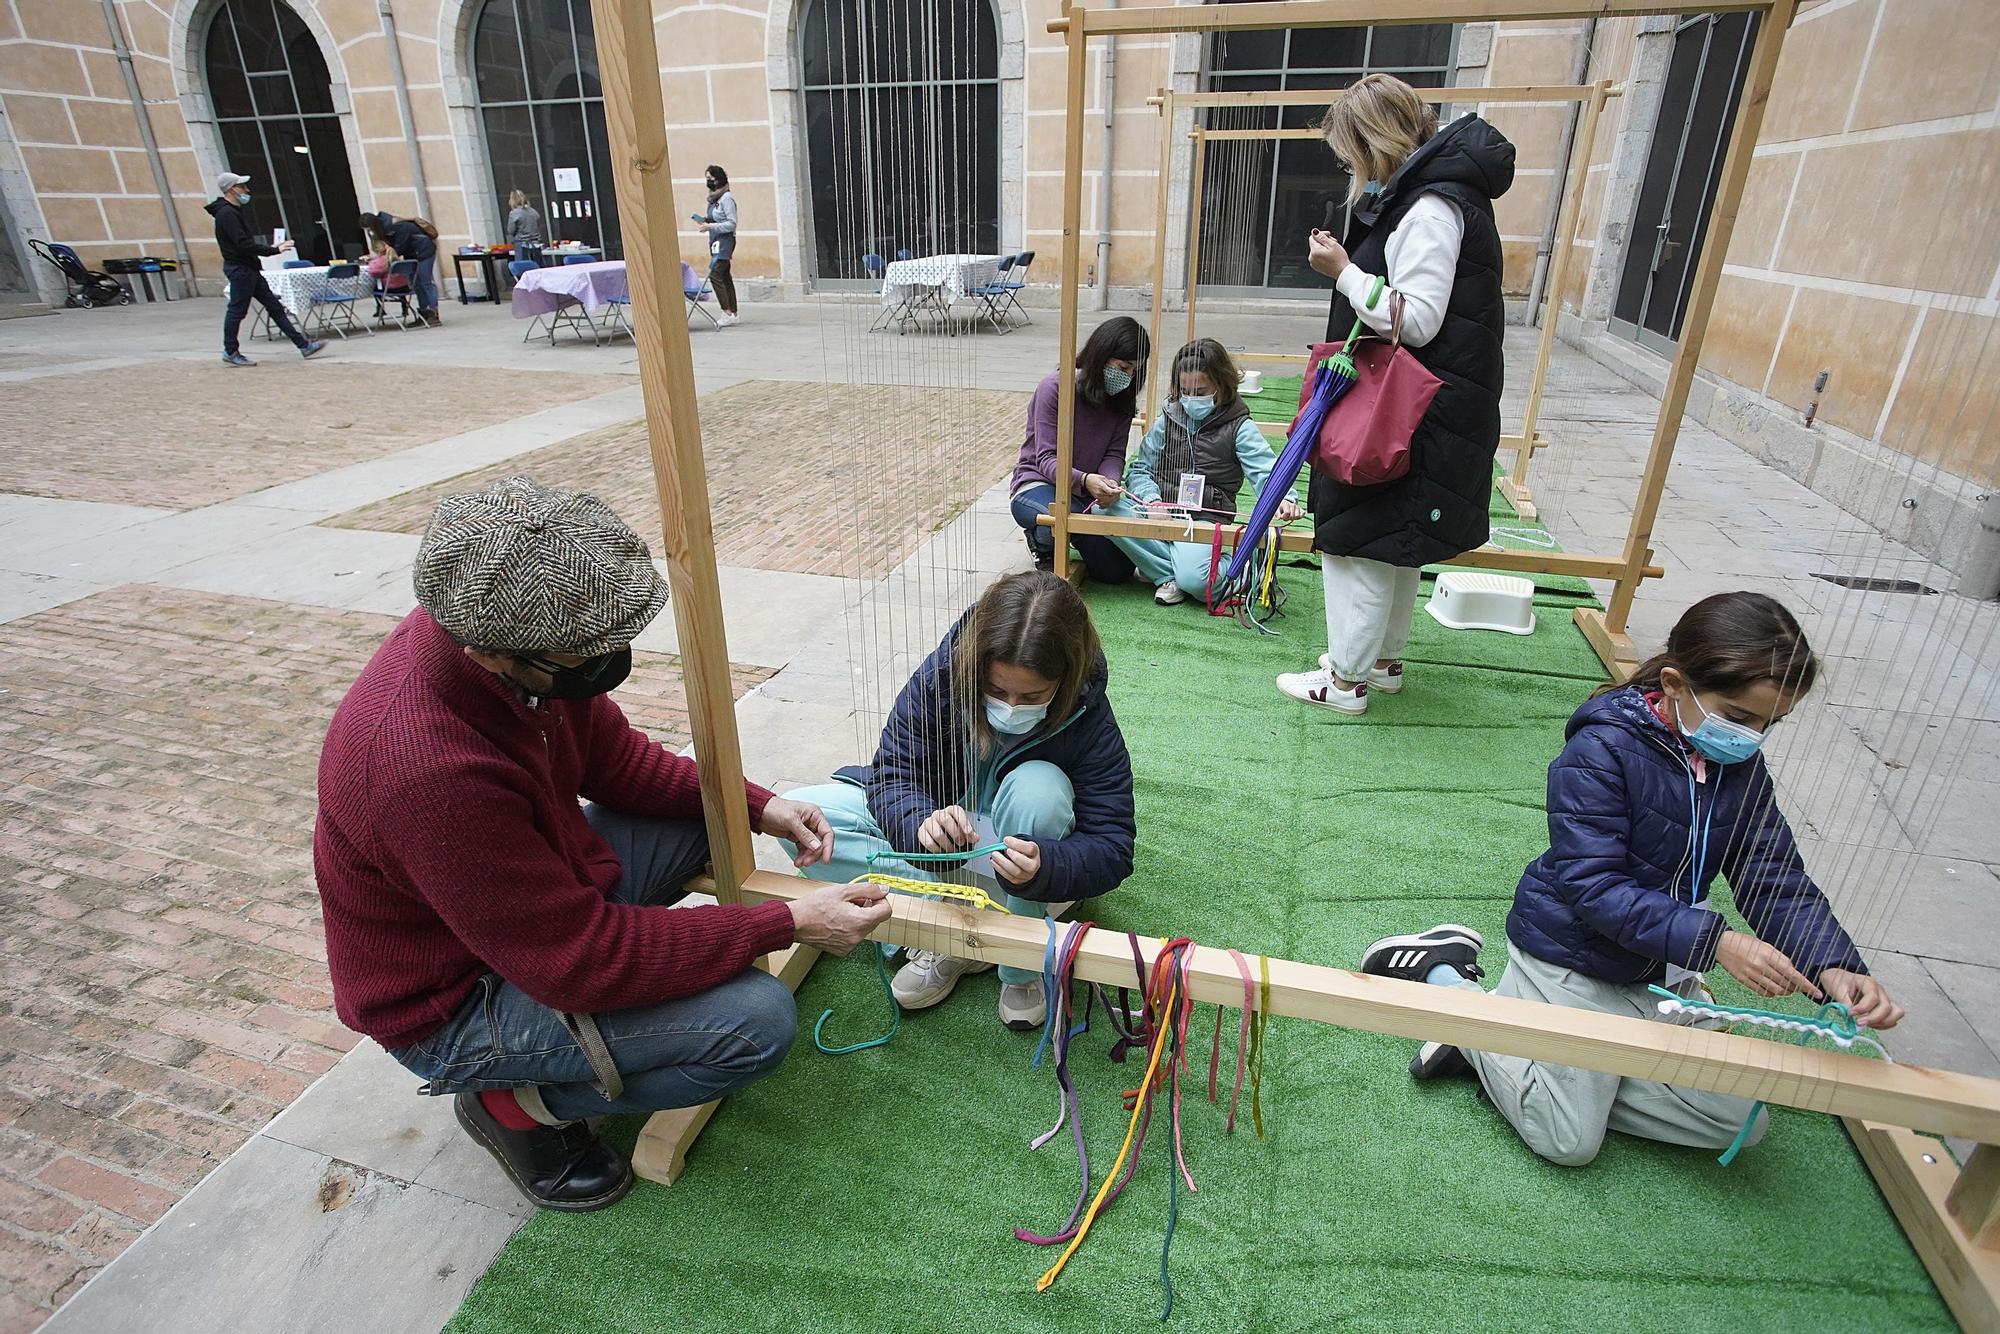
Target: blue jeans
[(246, 284), (1186, 563), (675, 1053), (1035, 800), (1102, 560), (425, 283)]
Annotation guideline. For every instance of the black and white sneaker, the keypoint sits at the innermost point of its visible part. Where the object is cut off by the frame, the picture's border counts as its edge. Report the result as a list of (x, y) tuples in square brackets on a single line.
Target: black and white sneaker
[(1412, 957), (1438, 1060)]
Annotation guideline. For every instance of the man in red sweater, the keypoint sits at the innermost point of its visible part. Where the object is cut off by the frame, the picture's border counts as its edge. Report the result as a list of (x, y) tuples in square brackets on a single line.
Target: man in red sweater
[(510, 945)]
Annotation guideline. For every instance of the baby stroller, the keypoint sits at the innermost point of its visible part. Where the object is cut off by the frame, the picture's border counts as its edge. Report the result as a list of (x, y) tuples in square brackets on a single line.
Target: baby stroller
[(82, 286)]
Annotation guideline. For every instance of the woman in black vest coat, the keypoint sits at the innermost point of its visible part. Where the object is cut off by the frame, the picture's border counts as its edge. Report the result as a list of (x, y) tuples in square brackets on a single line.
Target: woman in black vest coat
[(1423, 220)]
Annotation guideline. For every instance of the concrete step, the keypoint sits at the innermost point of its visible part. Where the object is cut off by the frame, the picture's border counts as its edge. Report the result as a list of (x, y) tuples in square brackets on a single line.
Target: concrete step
[(12, 311)]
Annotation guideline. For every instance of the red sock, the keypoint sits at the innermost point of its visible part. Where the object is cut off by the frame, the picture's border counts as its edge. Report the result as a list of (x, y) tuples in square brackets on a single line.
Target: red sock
[(501, 1105)]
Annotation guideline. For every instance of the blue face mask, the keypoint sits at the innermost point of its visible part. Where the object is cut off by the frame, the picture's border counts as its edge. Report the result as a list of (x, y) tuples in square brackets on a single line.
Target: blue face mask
[(1721, 740), (1371, 188), (243, 198), (1197, 407), (1014, 719), (1116, 381)]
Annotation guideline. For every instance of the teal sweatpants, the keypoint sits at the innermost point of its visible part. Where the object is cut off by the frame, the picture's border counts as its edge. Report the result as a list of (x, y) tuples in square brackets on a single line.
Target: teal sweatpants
[(1186, 563), (1035, 800)]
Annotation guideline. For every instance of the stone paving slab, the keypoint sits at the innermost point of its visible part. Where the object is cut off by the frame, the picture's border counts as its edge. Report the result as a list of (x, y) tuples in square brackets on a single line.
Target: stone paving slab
[(800, 477), (182, 435), (163, 988), (312, 1243)]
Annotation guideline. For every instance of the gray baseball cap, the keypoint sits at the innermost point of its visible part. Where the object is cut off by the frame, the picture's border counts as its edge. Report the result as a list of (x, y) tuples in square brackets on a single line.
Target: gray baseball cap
[(228, 180), (521, 567)]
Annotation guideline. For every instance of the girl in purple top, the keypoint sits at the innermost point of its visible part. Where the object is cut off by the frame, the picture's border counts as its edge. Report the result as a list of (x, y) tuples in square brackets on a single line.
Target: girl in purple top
[(1110, 376)]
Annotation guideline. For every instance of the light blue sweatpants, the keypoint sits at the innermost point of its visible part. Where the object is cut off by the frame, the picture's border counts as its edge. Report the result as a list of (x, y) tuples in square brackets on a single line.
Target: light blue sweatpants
[(1035, 800), (1186, 563)]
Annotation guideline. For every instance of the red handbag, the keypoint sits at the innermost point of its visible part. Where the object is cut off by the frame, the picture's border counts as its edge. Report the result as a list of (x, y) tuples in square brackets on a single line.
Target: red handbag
[(1365, 439)]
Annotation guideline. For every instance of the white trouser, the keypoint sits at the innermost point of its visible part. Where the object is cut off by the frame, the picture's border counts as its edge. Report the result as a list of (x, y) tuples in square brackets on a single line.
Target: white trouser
[(1368, 610)]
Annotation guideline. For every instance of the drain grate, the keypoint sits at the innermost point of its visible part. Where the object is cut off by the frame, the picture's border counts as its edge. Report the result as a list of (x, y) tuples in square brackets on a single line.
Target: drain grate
[(1869, 584)]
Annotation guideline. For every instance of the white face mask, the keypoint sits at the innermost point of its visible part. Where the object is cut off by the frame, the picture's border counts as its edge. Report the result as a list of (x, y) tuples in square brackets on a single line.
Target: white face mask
[(1014, 719)]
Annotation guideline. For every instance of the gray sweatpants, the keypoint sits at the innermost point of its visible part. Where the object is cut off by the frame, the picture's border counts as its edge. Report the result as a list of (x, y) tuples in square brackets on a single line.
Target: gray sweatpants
[(1562, 1113)]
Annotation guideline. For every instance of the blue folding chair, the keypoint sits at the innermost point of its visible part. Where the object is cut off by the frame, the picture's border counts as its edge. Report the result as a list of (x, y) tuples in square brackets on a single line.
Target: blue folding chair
[(698, 294), (1014, 282), (330, 302), (995, 293), (387, 292), (298, 263)]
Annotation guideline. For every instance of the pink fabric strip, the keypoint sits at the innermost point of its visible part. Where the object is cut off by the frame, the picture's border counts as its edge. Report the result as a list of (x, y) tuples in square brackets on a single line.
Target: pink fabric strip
[(1243, 1039)]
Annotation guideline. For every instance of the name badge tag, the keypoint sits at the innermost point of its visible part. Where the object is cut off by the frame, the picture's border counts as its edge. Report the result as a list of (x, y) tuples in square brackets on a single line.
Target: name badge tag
[(1191, 491)]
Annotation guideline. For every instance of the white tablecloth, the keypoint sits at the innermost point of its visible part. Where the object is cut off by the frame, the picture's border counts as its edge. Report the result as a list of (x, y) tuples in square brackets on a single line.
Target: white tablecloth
[(952, 276), (294, 286)]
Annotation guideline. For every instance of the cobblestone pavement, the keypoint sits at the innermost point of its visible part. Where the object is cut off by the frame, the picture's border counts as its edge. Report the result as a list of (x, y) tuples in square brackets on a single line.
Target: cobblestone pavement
[(180, 434), (782, 499), (163, 987)]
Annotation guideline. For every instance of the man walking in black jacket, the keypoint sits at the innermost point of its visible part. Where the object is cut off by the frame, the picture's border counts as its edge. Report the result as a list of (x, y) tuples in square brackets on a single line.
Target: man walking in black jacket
[(240, 264)]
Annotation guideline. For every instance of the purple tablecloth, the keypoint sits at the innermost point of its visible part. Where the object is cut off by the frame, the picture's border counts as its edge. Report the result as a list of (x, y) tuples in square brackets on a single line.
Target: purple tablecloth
[(593, 286)]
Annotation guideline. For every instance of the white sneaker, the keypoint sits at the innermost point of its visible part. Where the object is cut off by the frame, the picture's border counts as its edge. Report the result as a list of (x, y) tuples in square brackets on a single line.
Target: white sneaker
[(1318, 688), (1388, 680), (1024, 1006), (725, 319), (1168, 594), (928, 978)]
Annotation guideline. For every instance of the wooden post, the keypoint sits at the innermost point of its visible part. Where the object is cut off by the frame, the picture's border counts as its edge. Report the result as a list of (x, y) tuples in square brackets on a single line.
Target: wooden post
[(1200, 137), (1974, 1201), (1078, 49), (1606, 629), (629, 64), (1161, 195), (637, 124), (1515, 485)]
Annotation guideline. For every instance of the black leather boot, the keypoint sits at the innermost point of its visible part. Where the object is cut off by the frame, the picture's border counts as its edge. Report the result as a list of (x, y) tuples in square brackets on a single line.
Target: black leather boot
[(557, 1167)]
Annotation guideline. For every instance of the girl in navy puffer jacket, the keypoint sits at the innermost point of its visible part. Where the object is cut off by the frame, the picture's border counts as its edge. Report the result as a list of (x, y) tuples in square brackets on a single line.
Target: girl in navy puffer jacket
[(1659, 787), (1003, 736)]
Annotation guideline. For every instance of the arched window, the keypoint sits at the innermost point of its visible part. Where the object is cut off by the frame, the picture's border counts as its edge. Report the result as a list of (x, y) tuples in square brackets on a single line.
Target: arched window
[(1260, 197), (274, 107), (534, 64), (902, 120)]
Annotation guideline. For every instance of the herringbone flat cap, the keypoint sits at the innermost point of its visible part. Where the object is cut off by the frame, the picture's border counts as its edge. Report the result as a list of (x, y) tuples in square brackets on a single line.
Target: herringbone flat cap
[(524, 567)]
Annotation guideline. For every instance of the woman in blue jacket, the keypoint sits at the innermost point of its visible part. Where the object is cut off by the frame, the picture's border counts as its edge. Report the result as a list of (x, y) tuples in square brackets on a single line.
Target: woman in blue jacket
[(1659, 787), (1004, 734)]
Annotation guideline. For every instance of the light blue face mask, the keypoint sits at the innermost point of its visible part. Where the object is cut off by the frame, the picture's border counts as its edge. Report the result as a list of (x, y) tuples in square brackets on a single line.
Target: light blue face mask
[(1116, 381), (1014, 719), (1721, 740), (1371, 188), (1197, 407), (243, 197)]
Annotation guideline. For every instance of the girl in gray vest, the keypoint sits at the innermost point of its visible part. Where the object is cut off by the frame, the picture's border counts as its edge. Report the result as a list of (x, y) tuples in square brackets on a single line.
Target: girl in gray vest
[(1194, 461)]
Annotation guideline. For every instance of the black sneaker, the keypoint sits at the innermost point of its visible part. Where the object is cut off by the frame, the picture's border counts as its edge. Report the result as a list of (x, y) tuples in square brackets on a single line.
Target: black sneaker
[(1438, 1060), (557, 1167), (1411, 958)]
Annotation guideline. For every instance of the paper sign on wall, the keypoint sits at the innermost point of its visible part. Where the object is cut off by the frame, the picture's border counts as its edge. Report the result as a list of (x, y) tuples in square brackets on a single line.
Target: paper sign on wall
[(569, 179)]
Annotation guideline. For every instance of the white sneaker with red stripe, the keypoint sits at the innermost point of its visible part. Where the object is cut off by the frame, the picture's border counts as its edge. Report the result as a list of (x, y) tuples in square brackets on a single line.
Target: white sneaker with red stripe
[(1320, 688), (1387, 680)]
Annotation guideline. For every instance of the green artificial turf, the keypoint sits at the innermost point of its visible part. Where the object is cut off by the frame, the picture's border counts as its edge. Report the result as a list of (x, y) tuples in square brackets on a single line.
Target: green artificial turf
[(878, 1191)]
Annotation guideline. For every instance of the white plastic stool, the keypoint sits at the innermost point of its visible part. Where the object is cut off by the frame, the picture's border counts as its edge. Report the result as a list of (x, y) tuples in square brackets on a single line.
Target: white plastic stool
[(1471, 600)]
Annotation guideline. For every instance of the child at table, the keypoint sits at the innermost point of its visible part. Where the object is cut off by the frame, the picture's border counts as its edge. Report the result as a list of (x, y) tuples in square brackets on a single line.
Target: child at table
[(1195, 460), (380, 257)]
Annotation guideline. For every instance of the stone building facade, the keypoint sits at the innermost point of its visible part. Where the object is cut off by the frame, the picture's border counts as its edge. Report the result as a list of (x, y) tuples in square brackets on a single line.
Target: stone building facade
[(1868, 247)]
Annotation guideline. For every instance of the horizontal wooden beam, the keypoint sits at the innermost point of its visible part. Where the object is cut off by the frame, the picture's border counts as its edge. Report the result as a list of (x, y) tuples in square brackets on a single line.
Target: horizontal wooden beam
[(1821, 1081), (1298, 539), (1273, 14), (1313, 97)]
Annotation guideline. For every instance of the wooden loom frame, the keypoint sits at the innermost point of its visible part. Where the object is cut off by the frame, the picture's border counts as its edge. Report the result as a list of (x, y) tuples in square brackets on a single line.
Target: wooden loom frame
[(1588, 103), (1952, 1215)]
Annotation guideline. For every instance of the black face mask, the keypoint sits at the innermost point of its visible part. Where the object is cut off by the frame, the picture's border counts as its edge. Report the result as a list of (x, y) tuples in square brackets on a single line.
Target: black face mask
[(593, 676)]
